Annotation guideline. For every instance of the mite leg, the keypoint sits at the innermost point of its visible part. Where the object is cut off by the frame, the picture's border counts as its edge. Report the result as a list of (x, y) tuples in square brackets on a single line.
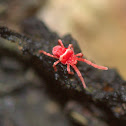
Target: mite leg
[(79, 54), (96, 66), (60, 43), (54, 65), (48, 54), (79, 75), (92, 64), (68, 69), (71, 46)]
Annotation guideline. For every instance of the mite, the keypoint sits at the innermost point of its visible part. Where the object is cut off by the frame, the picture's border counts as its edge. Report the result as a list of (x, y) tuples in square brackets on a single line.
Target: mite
[(67, 57)]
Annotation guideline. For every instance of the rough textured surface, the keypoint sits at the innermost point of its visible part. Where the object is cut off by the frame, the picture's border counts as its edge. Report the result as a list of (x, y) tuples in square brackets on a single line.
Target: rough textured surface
[(23, 100), (106, 89)]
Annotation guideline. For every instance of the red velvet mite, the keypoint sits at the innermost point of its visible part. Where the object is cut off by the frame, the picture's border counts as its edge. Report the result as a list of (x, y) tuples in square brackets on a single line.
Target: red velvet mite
[(67, 57)]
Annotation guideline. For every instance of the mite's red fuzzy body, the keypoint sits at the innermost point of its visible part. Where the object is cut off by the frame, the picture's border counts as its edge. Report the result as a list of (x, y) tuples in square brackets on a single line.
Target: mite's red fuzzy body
[(67, 57)]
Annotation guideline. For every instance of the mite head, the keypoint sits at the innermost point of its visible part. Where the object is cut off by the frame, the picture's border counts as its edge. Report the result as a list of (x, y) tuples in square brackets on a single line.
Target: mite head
[(58, 50)]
